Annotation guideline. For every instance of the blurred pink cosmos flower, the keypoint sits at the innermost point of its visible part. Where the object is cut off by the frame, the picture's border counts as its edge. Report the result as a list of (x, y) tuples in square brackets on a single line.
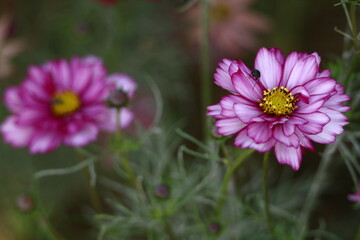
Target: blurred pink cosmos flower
[(282, 103), (61, 102), (233, 26), (356, 196)]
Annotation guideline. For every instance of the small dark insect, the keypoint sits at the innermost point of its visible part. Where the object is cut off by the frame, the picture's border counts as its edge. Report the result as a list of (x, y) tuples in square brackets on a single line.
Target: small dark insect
[(255, 73)]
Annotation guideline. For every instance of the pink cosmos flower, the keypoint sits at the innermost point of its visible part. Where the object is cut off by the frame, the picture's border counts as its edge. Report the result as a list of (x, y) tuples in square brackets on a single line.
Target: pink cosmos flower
[(58, 103), (233, 26), (282, 103)]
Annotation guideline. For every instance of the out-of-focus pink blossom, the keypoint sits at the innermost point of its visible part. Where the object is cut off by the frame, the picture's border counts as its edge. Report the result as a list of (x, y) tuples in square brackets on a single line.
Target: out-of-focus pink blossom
[(233, 26), (9, 48), (61, 102), (356, 196), (282, 104)]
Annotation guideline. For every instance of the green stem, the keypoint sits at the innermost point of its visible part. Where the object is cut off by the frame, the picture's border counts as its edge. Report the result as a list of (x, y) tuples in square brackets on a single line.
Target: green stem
[(93, 193), (266, 193), (231, 169), (169, 230), (41, 220), (354, 28), (122, 154), (315, 189), (205, 65)]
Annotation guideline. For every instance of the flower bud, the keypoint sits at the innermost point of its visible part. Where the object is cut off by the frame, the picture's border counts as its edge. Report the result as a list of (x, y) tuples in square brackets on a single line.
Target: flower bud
[(214, 227), (162, 191), (25, 203)]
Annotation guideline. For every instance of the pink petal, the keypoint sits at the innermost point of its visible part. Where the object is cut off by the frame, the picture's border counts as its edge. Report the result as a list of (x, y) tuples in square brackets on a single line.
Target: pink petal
[(44, 141), (288, 155), (60, 71), (290, 141), (244, 141), (14, 100), (259, 132), (316, 123), (246, 86), (126, 117), (246, 111), (304, 141), (123, 82), (311, 107), (229, 126), (16, 135), (325, 73), (320, 86), (302, 93), (86, 134), (227, 105), (290, 62), (214, 111), (279, 55), (222, 75), (303, 71), (270, 68)]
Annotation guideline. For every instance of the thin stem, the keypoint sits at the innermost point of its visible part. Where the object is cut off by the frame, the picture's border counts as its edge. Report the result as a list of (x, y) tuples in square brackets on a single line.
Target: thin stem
[(266, 193), (93, 193), (169, 230), (122, 153), (354, 28), (315, 189), (205, 64), (231, 169)]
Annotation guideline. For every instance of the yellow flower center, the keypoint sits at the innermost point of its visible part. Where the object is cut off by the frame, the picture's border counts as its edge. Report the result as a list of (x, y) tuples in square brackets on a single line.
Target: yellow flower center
[(278, 102), (65, 103), (220, 12)]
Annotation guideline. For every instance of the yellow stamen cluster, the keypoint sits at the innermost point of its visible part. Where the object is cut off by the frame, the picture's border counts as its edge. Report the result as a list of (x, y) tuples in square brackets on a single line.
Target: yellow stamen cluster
[(65, 103), (278, 102)]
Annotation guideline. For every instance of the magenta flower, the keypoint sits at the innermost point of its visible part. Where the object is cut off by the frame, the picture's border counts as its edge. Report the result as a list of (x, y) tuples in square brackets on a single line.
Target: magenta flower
[(354, 197), (58, 103), (281, 103)]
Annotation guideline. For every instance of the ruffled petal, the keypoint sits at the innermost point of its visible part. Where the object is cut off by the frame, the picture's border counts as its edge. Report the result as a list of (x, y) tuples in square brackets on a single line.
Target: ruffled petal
[(270, 68), (246, 111), (320, 86), (324, 73), (303, 71), (16, 135), (214, 111), (316, 123), (229, 126), (14, 100), (223, 77), (260, 132), (244, 141), (288, 155), (44, 141), (83, 136), (246, 86), (227, 105), (290, 141)]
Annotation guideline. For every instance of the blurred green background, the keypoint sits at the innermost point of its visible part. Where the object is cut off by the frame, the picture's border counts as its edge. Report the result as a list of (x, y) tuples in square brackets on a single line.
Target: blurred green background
[(149, 41)]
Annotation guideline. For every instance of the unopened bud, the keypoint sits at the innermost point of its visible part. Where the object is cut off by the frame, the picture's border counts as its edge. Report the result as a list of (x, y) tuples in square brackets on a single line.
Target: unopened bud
[(25, 203), (162, 191), (118, 98), (214, 227)]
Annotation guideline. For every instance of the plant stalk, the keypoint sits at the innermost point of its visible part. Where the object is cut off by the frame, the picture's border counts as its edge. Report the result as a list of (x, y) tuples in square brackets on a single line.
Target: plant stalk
[(266, 193), (205, 65), (230, 171)]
